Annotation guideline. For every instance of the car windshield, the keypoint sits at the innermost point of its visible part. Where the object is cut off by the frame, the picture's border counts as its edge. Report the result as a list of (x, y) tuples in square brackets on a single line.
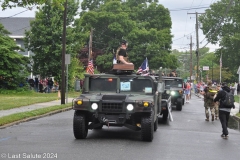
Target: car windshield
[(103, 84), (136, 85), (173, 83)]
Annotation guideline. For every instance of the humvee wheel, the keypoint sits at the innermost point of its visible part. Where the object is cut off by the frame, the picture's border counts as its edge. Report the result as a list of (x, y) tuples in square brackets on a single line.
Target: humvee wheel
[(147, 127), (156, 124), (80, 125), (100, 127), (165, 116), (179, 104)]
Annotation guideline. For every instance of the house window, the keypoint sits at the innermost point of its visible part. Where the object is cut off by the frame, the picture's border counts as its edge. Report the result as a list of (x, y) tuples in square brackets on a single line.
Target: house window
[(19, 45)]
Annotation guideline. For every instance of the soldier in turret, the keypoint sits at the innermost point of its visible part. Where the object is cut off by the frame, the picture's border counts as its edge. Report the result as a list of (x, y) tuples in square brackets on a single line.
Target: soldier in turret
[(121, 54)]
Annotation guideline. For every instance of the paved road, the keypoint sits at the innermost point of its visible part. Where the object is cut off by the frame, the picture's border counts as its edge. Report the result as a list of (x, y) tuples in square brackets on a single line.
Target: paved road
[(188, 137)]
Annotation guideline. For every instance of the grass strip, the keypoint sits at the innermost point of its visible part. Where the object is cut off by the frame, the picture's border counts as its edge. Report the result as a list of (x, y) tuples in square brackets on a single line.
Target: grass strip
[(15, 100), (31, 114), (238, 115)]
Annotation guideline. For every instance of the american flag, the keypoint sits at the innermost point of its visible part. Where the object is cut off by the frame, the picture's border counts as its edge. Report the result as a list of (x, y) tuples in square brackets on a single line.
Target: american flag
[(114, 59), (90, 68), (144, 68)]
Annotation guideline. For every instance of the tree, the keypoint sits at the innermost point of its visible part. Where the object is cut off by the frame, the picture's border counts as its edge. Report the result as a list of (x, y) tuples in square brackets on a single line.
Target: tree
[(138, 22), (28, 3), (44, 39), (13, 66), (221, 26)]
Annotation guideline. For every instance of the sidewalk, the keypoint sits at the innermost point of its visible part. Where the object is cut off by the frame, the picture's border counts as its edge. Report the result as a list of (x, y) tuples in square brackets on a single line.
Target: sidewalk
[(31, 107), (233, 111)]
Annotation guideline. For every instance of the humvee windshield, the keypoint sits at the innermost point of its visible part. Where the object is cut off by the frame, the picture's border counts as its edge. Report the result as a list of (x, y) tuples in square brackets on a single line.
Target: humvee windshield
[(136, 85), (173, 83), (103, 84)]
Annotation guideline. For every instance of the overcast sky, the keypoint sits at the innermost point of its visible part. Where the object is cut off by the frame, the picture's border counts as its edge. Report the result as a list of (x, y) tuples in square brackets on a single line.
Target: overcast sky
[(183, 24)]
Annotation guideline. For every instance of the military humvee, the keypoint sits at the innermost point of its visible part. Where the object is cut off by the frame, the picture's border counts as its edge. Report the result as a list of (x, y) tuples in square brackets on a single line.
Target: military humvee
[(174, 88), (113, 99)]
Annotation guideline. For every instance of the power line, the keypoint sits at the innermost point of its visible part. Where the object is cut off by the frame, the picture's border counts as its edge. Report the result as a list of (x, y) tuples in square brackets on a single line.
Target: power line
[(186, 22), (227, 9), (14, 14), (188, 9), (183, 36)]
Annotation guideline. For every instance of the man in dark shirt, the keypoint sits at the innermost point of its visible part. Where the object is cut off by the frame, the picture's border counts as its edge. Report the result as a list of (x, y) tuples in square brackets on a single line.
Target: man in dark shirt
[(224, 112), (122, 56)]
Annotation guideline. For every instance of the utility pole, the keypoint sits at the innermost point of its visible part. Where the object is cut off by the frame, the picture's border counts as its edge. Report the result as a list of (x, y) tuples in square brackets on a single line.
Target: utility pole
[(197, 41), (63, 53), (191, 58)]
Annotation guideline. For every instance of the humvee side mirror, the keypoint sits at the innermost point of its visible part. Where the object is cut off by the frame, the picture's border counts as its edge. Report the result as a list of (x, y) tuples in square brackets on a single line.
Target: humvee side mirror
[(161, 87)]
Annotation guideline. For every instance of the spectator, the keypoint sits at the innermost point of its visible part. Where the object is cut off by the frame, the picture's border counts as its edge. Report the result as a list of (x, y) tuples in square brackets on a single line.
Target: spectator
[(49, 85), (31, 83), (81, 84), (36, 83), (55, 85)]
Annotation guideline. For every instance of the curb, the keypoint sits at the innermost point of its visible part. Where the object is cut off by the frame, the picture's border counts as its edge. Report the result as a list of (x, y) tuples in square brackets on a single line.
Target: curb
[(35, 117)]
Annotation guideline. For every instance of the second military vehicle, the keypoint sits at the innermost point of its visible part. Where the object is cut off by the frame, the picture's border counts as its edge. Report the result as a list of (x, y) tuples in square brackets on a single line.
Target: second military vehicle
[(174, 88)]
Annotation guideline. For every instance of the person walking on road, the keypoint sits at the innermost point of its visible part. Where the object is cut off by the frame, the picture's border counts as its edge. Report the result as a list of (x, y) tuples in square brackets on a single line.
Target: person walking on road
[(216, 107), (187, 92), (224, 112), (208, 94)]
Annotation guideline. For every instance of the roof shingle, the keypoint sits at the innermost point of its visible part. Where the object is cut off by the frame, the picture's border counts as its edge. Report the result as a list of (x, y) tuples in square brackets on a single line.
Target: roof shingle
[(16, 25)]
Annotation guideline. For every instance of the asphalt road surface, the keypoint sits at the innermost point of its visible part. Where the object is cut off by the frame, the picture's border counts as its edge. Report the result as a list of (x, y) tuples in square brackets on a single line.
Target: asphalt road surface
[(188, 137)]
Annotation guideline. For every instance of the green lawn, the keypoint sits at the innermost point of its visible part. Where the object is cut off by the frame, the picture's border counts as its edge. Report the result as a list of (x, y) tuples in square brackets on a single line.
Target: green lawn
[(14, 100), (236, 98), (31, 114)]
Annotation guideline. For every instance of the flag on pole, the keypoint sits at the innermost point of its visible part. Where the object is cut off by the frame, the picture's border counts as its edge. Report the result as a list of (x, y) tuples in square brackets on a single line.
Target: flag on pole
[(220, 61), (114, 59), (144, 68), (90, 68)]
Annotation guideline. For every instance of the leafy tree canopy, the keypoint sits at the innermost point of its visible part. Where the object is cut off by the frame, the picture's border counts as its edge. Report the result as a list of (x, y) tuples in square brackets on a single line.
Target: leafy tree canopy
[(146, 27), (13, 70), (223, 27), (29, 3), (45, 40)]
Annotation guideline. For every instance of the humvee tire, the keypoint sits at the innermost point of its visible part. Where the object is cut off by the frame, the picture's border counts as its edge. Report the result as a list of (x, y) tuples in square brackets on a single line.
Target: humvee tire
[(100, 127), (147, 127), (179, 104), (156, 124), (80, 125), (165, 116)]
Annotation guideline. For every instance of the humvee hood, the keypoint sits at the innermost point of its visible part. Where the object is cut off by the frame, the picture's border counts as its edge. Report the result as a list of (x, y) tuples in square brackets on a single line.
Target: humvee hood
[(119, 97)]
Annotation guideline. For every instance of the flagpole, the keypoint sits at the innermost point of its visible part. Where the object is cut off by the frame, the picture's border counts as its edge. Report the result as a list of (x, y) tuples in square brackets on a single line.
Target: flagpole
[(221, 67)]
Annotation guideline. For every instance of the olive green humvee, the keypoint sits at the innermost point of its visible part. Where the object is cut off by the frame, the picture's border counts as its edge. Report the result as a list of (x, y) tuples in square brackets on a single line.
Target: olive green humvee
[(115, 99)]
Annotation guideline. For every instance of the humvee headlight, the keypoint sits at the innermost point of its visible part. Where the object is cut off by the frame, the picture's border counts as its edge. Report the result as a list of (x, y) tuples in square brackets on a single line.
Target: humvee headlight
[(129, 107), (145, 104), (167, 91), (79, 102), (172, 93), (94, 106)]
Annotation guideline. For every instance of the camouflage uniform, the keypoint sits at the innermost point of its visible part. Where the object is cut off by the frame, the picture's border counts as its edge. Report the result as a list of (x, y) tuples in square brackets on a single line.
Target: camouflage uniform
[(208, 103), (216, 106)]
